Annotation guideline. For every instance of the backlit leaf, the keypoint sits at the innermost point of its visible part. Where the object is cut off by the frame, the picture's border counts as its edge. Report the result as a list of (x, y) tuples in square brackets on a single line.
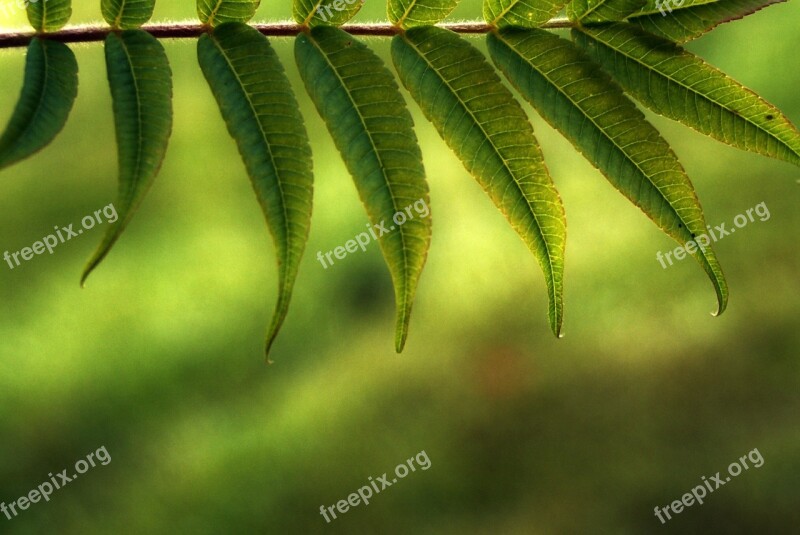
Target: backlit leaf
[(681, 86), (216, 12), (49, 15), (262, 115), (521, 13), (127, 14), (410, 13), (593, 11), (329, 12), (682, 21), (48, 93), (577, 98), (361, 103), (141, 89), (480, 120)]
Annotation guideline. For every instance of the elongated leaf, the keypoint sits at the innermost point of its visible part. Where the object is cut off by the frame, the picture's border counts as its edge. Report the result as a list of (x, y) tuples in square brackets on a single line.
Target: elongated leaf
[(480, 120), (681, 21), (262, 115), (593, 11), (141, 89), (127, 14), (48, 93), (361, 103), (49, 15), (681, 86), (317, 12), (216, 12), (582, 102), (521, 13), (410, 13)]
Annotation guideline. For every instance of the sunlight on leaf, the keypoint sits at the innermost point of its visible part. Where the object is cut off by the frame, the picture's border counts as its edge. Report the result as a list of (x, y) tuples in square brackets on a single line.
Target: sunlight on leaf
[(589, 109), (485, 126)]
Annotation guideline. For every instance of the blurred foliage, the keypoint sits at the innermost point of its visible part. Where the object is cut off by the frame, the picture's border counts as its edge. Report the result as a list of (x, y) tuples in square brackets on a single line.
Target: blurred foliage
[(160, 358)]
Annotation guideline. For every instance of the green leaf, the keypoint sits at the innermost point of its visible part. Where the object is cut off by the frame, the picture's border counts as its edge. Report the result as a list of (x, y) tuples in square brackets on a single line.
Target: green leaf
[(485, 126), (49, 15), (692, 18), (141, 90), (594, 11), (216, 12), (48, 93), (127, 14), (589, 109), (521, 13), (361, 103), (324, 12), (681, 86), (410, 13), (262, 115)]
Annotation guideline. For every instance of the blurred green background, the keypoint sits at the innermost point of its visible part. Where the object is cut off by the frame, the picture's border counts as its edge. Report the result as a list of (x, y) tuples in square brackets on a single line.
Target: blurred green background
[(160, 358)]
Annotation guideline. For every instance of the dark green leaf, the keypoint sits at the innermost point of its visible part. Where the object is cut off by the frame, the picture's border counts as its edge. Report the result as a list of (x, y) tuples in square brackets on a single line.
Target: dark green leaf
[(480, 120), (141, 90), (216, 12), (581, 101), (262, 115), (410, 13), (49, 15), (48, 93), (361, 103), (127, 14), (681, 86)]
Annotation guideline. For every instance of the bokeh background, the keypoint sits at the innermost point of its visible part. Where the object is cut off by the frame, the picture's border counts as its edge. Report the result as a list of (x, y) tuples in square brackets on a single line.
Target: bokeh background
[(160, 358)]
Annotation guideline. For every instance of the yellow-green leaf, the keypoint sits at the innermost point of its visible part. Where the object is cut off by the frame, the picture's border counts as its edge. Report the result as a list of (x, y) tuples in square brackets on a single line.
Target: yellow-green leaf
[(49, 15), (485, 126), (216, 12), (571, 93), (681, 86), (409, 13)]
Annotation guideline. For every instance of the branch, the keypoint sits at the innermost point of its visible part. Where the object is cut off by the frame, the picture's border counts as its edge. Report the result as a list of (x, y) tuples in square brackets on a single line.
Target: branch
[(182, 30)]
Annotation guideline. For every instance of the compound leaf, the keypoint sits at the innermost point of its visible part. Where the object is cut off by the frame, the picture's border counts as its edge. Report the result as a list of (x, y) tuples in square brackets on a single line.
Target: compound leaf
[(127, 14), (361, 103), (520, 13), (318, 12), (48, 94), (409, 13), (141, 89), (216, 12), (681, 21), (262, 115), (485, 126), (681, 86), (49, 15), (587, 107), (594, 11)]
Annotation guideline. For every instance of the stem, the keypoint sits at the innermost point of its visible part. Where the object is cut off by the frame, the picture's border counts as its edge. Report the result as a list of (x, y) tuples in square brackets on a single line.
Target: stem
[(183, 30)]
